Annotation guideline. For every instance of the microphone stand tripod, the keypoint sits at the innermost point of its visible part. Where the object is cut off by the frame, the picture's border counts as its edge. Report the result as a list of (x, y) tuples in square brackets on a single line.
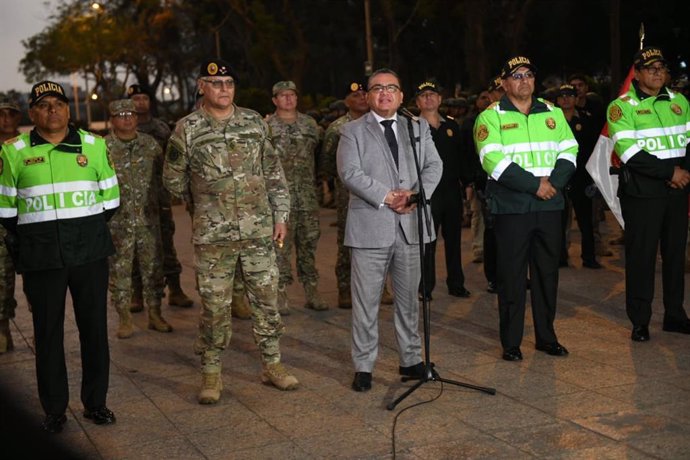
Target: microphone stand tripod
[(430, 373)]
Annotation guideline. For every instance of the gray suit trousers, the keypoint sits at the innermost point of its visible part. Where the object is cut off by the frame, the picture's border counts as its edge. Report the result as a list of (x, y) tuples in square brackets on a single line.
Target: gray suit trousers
[(369, 268)]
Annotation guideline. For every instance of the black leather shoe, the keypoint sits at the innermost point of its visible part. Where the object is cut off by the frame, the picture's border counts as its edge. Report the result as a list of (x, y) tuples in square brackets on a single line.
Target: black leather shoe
[(491, 289), (677, 326), (413, 372), (54, 423), (553, 349), (459, 292), (640, 334), (362, 381), (592, 264), (100, 416), (512, 354), (426, 297)]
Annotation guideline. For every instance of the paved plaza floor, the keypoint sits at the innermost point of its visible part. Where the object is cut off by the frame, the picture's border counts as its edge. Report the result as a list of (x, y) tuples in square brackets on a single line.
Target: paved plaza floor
[(610, 398)]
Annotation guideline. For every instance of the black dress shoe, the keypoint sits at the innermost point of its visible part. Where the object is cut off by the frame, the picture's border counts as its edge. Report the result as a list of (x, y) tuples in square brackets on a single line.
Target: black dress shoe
[(591, 264), (426, 297), (54, 423), (640, 334), (553, 349), (682, 327), (362, 381), (459, 292), (413, 372), (512, 354), (100, 416), (492, 289)]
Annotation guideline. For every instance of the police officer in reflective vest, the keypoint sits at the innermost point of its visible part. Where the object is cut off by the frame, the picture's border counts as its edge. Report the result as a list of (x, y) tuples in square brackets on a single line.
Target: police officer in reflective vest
[(529, 152), (649, 125), (57, 190)]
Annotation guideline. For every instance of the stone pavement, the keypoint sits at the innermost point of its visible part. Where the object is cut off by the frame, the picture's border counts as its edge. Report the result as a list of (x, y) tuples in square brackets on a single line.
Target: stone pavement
[(611, 398)]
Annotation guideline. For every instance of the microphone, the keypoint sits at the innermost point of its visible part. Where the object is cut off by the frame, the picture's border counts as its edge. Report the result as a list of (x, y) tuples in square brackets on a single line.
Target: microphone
[(407, 114)]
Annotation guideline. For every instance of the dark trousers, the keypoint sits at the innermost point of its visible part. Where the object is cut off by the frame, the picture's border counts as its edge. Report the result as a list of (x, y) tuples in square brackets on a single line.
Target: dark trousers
[(651, 223), (490, 256), (582, 205), (446, 210), (527, 240), (46, 290)]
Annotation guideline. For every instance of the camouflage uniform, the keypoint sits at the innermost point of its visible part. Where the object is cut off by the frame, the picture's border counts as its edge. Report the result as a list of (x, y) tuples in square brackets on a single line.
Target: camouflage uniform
[(295, 144), (7, 277), (328, 168), (231, 173), (136, 227)]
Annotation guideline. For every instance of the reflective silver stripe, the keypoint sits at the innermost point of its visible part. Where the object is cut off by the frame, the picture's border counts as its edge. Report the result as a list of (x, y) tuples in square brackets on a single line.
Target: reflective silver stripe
[(8, 191), (568, 156), (107, 183), (8, 212), (488, 148), (540, 172), (46, 189), (111, 204), (545, 146), (652, 132), (629, 152), (669, 153), (566, 144), (500, 167), (20, 144), (55, 214), (627, 134)]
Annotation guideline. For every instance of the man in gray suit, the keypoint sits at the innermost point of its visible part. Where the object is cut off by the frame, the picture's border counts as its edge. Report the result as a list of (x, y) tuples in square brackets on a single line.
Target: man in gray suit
[(376, 164)]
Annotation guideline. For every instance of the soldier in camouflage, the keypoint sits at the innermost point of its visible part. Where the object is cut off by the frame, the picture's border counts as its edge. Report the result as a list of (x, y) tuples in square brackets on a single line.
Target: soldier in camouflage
[(172, 268), (10, 116), (356, 103), (295, 137), (220, 158), (136, 227)]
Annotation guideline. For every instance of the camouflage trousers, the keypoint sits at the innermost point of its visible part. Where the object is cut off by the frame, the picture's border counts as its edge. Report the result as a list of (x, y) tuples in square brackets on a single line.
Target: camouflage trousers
[(216, 267), (140, 245), (7, 278), (342, 263), (303, 233), (171, 265)]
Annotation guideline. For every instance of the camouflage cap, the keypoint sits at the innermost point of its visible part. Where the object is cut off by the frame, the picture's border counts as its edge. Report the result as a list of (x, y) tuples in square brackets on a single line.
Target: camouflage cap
[(514, 63), (9, 103), (284, 86), (121, 105), (427, 86), (217, 68), (135, 89), (46, 88), (647, 56)]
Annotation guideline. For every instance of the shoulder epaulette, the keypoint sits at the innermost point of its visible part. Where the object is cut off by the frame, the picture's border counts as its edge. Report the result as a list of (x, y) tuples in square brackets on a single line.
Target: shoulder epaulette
[(493, 105), (547, 102), (449, 117), (11, 141), (625, 98)]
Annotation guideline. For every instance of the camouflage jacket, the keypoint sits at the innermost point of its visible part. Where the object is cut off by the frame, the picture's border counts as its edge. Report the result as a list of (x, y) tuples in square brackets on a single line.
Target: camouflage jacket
[(156, 128), (138, 164), (296, 144), (229, 173), (328, 166)]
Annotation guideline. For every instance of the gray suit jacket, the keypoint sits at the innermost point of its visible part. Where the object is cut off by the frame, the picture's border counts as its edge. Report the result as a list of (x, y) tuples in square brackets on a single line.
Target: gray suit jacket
[(366, 167)]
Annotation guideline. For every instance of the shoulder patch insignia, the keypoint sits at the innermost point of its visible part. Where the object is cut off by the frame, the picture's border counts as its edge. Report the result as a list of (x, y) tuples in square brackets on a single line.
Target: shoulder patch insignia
[(82, 161), (615, 113), (482, 133), (173, 154), (449, 132), (550, 123), (675, 108)]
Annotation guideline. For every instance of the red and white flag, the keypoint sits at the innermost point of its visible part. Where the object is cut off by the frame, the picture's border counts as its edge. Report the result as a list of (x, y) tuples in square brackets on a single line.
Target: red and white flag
[(603, 157)]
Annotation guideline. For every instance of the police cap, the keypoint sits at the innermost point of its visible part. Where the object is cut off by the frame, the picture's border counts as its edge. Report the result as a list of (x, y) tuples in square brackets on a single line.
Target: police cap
[(46, 88), (515, 63), (427, 86), (647, 56)]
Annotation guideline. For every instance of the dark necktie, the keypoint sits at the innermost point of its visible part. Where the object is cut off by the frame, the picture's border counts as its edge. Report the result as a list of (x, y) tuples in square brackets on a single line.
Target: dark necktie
[(390, 138)]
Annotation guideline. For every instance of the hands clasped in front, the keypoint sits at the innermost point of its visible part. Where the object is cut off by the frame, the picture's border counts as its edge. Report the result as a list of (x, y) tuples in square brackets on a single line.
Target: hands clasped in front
[(546, 191), (680, 179), (398, 201)]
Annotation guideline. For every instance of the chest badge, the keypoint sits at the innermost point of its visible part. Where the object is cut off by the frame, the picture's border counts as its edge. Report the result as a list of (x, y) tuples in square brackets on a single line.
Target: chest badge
[(82, 161), (675, 108), (550, 123), (449, 132)]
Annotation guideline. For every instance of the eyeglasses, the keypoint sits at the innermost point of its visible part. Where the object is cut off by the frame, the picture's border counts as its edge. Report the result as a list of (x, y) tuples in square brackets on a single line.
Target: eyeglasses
[(219, 84), (378, 89), (655, 70), (124, 114), (47, 106), (522, 76)]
